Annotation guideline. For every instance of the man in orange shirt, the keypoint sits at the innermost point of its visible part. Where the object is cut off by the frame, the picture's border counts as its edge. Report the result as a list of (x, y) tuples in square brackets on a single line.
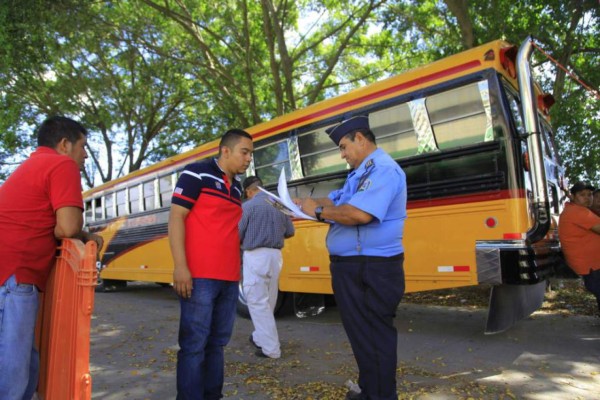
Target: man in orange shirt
[(596, 202), (579, 233)]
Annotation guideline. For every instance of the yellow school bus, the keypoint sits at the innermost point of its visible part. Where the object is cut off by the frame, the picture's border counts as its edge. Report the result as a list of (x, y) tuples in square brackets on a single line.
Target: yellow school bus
[(471, 132)]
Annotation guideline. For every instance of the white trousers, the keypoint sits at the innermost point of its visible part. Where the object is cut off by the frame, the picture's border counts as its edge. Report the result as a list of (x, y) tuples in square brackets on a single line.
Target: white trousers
[(261, 283)]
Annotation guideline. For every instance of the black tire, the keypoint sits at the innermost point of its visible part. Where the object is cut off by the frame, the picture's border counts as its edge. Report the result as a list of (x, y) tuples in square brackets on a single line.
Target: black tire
[(110, 285), (281, 307)]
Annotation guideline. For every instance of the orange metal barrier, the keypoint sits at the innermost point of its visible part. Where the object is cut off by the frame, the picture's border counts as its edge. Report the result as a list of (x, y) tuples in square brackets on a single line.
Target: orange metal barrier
[(64, 324)]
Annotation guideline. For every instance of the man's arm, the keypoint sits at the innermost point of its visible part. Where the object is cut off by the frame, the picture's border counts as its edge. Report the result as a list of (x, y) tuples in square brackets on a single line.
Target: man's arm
[(69, 221), (182, 278), (344, 214)]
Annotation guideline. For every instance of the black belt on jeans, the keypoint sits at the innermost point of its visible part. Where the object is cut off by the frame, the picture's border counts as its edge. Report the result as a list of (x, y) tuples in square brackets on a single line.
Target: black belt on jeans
[(370, 259)]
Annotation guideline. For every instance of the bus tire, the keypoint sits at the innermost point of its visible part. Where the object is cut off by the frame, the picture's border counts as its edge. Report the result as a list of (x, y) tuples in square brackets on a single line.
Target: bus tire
[(281, 307), (110, 285)]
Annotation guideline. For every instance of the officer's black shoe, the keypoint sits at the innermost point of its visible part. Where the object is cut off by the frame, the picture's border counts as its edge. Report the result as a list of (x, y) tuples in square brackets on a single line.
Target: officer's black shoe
[(352, 395)]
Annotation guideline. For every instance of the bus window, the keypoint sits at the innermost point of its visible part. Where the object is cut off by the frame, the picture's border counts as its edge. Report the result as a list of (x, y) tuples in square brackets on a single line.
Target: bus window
[(134, 199), (425, 138), (98, 209), (549, 150), (394, 131), (109, 209), (318, 154), (166, 190), (149, 196), (89, 211), (121, 202), (515, 108), (458, 116), (270, 160)]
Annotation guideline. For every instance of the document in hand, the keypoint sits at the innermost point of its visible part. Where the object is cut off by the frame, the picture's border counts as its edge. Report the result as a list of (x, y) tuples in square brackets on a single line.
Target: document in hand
[(284, 202)]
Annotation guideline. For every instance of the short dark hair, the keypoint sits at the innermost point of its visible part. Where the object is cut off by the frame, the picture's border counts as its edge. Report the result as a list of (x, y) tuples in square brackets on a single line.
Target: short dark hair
[(582, 185), (251, 180), (56, 128), (232, 137)]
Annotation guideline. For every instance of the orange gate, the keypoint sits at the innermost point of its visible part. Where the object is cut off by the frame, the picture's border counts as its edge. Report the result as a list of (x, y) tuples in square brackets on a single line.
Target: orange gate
[(63, 330)]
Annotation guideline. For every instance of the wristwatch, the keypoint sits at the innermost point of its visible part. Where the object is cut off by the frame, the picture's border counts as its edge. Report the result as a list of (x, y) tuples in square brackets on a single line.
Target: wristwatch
[(318, 212)]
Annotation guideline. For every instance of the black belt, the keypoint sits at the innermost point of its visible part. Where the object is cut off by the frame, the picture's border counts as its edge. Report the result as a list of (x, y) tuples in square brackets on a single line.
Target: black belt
[(368, 259)]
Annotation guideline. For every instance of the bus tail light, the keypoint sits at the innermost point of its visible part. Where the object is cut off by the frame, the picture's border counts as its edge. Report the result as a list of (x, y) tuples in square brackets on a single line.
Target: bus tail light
[(513, 236)]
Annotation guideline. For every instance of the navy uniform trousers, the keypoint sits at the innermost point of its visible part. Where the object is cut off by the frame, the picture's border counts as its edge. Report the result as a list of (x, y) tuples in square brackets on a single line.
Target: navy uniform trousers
[(367, 291)]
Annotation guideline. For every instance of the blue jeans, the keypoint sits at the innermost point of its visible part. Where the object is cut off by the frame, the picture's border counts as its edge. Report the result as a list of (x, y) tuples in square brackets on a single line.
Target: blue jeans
[(19, 360), (205, 327)]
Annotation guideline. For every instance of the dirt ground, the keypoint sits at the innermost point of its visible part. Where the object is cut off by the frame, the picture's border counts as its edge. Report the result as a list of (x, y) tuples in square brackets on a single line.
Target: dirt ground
[(442, 354)]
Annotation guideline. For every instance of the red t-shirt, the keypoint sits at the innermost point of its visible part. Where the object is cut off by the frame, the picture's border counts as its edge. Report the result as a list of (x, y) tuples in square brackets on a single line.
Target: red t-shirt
[(212, 241), (29, 199), (580, 245)]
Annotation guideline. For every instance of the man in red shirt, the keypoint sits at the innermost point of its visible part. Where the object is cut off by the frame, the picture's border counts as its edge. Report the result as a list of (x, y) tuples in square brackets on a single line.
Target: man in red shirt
[(203, 234), (579, 234), (39, 203)]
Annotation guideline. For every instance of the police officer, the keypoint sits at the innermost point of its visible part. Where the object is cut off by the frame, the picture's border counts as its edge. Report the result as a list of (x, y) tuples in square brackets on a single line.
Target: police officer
[(365, 245)]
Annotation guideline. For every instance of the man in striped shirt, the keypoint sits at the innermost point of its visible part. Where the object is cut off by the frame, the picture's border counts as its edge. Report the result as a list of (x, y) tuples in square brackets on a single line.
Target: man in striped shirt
[(204, 240), (262, 232)]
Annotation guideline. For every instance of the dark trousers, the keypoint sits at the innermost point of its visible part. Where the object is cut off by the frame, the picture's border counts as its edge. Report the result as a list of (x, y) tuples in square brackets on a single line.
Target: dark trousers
[(367, 293), (592, 284)]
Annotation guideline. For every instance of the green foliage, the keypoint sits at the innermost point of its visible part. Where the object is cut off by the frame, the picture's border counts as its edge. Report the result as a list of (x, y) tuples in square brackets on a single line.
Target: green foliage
[(152, 78)]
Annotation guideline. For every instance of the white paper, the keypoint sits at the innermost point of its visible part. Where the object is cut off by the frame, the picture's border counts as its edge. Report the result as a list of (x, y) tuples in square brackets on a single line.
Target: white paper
[(284, 202)]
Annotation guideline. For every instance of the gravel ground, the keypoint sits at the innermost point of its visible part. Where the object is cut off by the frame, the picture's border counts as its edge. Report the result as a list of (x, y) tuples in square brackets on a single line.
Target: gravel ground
[(443, 354)]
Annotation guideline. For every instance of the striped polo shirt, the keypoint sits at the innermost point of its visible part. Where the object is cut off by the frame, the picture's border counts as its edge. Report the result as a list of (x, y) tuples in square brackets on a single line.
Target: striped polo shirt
[(212, 242)]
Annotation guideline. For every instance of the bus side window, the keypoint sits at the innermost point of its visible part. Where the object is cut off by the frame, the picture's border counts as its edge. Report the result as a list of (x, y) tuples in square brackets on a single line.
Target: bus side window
[(318, 154), (149, 195), (515, 108), (109, 209), (98, 209), (134, 199), (270, 160), (394, 131), (166, 190), (458, 116), (122, 202), (89, 211)]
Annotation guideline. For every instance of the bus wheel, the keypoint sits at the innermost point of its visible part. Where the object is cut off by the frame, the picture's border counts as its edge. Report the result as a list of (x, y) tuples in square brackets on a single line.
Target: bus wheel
[(110, 285), (281, 307)]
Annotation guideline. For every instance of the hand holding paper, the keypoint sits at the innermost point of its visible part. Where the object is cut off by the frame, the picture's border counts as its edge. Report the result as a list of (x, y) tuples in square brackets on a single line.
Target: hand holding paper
[(284, 202)]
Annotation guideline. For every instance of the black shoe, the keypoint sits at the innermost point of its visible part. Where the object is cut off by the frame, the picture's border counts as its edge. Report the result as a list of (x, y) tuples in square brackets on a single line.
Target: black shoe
[(251, 339), (352, 395), (259, 353)]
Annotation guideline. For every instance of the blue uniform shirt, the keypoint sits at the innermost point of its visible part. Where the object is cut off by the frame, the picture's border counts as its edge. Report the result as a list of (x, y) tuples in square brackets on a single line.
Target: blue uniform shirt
[(377, 187)]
